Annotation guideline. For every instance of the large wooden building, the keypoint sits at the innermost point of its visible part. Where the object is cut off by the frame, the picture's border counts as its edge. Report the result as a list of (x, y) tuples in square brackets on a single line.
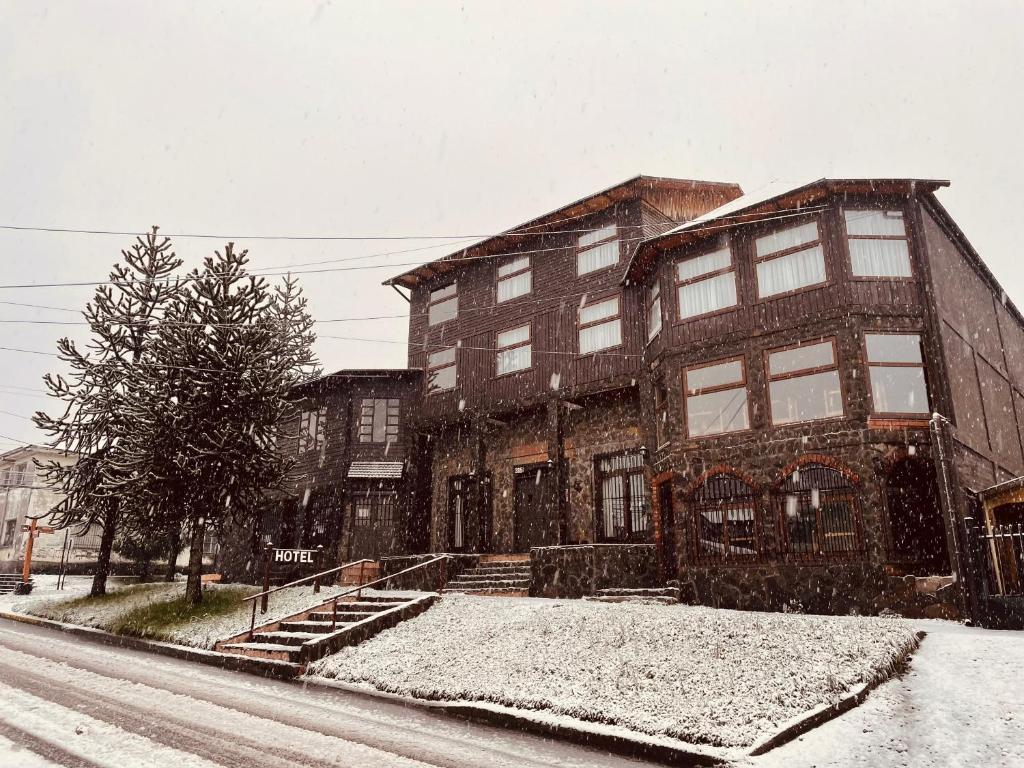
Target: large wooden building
[(742, 386)]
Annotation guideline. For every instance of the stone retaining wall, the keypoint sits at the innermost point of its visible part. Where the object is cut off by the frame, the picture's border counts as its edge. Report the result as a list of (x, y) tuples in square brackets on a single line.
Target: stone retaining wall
[(576, 571), (424, 579)]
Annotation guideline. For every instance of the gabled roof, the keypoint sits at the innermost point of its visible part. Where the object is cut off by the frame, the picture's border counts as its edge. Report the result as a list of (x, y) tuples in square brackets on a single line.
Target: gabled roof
[(780, 199), (25, 451), (384, 470), (348, 375), (636, 187)]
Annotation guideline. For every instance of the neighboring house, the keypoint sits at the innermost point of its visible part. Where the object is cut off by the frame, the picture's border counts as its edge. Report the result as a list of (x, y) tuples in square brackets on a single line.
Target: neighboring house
[(739, 388), (24, 495)]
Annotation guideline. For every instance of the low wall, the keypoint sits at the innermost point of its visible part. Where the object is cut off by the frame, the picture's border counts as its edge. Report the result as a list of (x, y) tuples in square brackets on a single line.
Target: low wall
[(424, 579), (579, 570), (824, 589)]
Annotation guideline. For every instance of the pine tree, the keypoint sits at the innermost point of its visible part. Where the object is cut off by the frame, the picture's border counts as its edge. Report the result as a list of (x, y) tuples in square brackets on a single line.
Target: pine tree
[(212, 397), (96, 394)]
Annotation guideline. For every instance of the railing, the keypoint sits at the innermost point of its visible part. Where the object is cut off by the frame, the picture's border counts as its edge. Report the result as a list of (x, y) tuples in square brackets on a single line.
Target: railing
[(1003, 547), (358, 590)]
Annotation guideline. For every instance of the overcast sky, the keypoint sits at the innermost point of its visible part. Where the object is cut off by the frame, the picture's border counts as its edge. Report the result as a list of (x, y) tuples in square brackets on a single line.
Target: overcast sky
[(462, 119)]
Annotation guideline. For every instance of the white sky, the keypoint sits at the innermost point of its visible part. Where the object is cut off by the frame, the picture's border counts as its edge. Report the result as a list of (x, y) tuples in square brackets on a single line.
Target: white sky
[(460, 119)]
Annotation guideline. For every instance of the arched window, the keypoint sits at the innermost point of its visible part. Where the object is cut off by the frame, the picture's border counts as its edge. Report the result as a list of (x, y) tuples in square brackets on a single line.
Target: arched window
[(725, 515), (817, 511)]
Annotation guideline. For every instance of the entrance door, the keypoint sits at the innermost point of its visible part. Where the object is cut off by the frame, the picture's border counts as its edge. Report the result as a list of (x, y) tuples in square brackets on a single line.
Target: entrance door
[(667, 528), (917, 532), (532, 508), (375, 529)]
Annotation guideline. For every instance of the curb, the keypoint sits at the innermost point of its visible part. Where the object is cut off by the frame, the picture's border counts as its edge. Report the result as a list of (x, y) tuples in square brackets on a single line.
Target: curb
[(816, 717), (282, 670)]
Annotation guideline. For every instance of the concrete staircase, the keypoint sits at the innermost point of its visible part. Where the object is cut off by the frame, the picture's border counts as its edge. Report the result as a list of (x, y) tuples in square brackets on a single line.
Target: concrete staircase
[(307, 636), (494, 575), (9, 582), (668, 595)]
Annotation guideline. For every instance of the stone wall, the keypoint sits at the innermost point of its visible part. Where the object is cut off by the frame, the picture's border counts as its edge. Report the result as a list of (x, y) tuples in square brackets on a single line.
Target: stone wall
[(576, 571), (854, 588), (425, 579)]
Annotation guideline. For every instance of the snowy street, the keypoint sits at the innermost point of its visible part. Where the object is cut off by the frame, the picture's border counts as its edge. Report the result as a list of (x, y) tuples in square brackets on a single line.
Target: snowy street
[(70, 702)]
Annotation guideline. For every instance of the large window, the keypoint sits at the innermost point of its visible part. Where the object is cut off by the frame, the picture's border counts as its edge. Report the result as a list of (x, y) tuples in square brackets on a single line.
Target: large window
[(706, 284), (597, 249), (818, 515), (878, 243), (312, 429), (725, 515), (661, 413), (803, 383), (789, 259), (378, 420), (443, 305), (600, 325), (624, 500), (716, 398), (654, 310), (441, 370), (896, 368), (514, 350), (515, 279)]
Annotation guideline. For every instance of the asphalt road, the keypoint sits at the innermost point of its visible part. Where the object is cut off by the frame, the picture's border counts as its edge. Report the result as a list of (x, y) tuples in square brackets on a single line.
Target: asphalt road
[(71, 702)]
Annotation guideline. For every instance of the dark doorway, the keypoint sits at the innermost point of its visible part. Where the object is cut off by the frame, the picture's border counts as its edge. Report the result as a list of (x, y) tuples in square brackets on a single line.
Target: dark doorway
[(916, 530), (667, 526), (375, 524), (532, 508), (469, 521)]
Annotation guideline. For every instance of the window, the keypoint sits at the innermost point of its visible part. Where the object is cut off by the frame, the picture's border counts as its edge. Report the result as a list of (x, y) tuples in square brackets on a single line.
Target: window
[(515, 279), (514, 350), (624, 499), (789, 259), (878, 243), (597, 249), (896, 370), (211, 546), (378, 420), (312, 429), (706, 284), (374, 509), (661, 413), (803, 383), (441, 370), (600, 326), (443, 305), (9, 532), (716, 398), (654, 310), (817, 511), (725, 514)]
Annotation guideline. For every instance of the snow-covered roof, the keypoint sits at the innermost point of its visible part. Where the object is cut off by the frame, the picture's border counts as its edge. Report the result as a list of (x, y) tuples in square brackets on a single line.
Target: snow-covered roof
[(383, 470), (796, 195)]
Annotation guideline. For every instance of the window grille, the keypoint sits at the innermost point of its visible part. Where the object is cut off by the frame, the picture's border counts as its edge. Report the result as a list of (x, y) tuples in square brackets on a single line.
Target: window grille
[(624, 499), (725, 514), (818, 514)]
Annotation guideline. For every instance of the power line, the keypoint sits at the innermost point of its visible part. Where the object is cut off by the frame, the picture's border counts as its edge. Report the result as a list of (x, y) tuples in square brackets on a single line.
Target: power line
[(448, 259)]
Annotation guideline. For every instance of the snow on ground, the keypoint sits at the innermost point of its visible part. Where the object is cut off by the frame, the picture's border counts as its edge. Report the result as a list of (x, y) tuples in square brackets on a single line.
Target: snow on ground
[(45, 588), (16, 756), (960, 704), (202, 632), (723, 678)]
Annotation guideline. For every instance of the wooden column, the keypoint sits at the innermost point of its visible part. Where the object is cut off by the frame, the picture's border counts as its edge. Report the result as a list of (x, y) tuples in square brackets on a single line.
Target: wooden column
[(477, 492), (558, 480)]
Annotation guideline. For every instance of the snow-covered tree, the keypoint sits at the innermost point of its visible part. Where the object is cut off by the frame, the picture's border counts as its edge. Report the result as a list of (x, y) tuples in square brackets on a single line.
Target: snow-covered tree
[(212, 397), (96, 394)]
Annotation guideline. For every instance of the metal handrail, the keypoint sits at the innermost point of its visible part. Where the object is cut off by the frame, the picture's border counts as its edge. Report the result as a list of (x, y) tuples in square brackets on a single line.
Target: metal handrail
[(315, 576), (441, 579)]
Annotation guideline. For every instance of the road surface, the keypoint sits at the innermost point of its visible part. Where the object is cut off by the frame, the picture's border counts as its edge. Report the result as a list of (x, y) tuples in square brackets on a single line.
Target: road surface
[(70, 702)]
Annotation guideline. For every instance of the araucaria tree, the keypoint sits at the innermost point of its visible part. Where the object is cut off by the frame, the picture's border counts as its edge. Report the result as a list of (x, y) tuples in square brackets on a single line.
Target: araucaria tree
[(97, 395), (212, 396)]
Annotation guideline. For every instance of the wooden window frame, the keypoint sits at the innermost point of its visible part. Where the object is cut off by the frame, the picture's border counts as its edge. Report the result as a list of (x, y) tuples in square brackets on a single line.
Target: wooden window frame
[(498, 350), (818, 221), (499, 278), (388, 438), (847, 237), (677, 283), (744, 384), (661, 410), (580, 326), (431, 302), (590, 246), (601, 536), (769, 378), (916, 418), (650, 301), (430, 369), (317, 418)]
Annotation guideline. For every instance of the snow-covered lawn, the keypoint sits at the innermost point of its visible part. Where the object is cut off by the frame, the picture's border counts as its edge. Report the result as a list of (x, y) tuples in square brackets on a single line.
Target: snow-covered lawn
[(202, 631), (705, 676)]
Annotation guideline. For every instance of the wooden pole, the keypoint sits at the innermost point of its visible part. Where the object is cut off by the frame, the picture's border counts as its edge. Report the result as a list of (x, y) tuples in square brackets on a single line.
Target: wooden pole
[(268, 552), (26, 569)]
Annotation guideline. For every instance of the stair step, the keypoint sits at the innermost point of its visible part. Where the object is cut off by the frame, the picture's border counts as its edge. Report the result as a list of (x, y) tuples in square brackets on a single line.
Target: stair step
[(319, 627), (369, 606), (487, 590), (499, 569), (264, 650), (487, 585), (342, 615), (649, 599), (285, 638), (474, 576), (504, 563), (640, 592)]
